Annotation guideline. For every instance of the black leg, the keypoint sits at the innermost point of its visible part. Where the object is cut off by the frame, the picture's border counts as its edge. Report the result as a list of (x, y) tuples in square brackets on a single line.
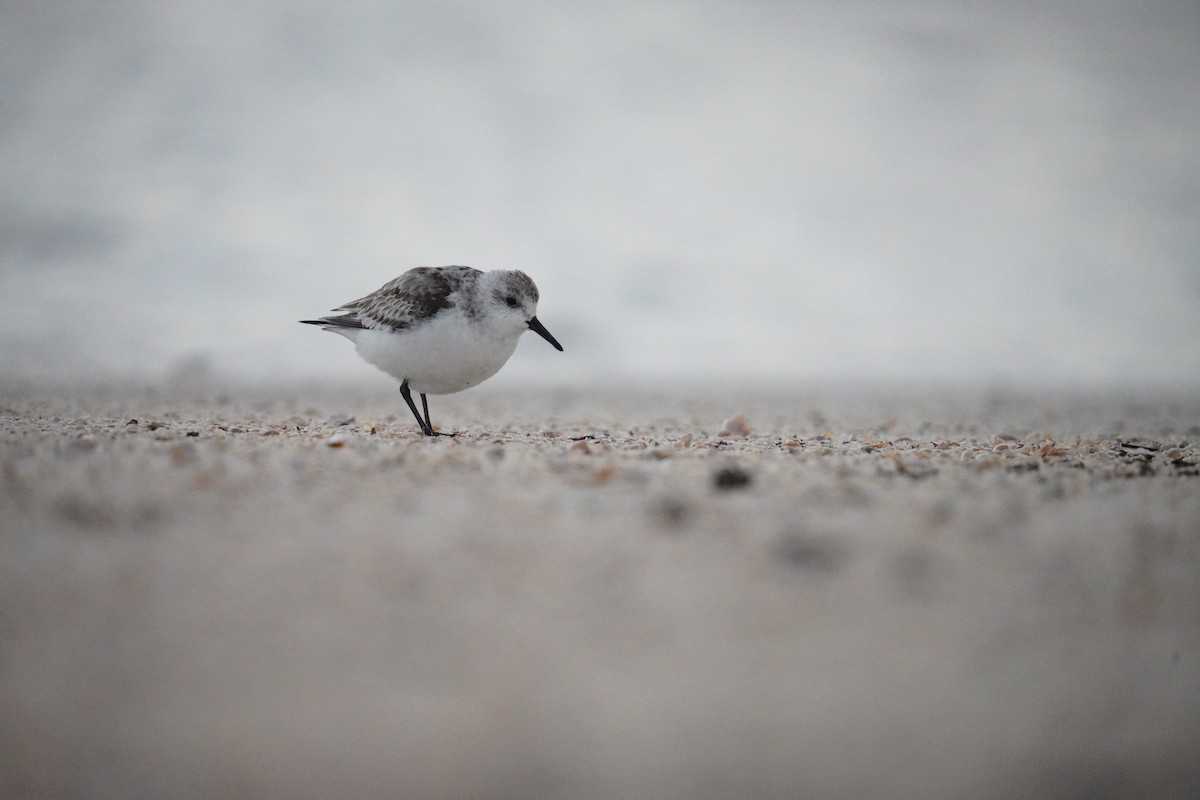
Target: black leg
[(425, 408), (426, 428), (428, 424)]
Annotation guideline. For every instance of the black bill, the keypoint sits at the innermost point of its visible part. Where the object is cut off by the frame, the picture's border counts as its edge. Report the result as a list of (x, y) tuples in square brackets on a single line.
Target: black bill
[(541, 331)]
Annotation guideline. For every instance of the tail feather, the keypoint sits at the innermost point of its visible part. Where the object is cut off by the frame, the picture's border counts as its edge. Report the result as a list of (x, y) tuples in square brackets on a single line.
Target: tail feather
[(347, 326), (343, 321)]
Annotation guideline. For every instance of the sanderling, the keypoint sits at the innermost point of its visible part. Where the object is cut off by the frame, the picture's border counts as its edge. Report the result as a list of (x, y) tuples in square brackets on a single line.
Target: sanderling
[(439, 330)]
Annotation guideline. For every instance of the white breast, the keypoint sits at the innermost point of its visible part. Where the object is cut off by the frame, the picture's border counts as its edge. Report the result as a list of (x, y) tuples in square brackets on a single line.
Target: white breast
[(440, 356)]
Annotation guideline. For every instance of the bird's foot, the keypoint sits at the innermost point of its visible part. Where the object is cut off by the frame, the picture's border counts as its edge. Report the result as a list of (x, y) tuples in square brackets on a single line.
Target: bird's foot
[(431, 432)]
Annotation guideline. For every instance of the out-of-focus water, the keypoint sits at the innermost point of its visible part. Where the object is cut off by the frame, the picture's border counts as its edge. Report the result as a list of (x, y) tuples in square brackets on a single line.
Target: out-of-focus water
[(758, 190)]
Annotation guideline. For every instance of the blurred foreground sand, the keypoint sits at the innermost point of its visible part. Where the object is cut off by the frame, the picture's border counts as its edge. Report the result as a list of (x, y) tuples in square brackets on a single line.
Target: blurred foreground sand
[(289, 593)]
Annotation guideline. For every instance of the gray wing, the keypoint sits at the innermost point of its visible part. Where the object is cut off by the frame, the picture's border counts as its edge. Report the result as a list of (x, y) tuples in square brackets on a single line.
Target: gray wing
[(402, 302)]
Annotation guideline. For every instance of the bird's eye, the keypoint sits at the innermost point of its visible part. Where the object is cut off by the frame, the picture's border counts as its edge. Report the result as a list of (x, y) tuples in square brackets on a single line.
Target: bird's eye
[(512, 301)]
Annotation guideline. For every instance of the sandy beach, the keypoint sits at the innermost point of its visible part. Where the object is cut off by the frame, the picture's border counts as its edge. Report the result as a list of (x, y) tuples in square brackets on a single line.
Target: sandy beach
[(223, 590)]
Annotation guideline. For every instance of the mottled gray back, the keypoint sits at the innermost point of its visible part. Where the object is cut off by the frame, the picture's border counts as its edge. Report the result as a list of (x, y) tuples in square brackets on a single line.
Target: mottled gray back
[(402, 302)]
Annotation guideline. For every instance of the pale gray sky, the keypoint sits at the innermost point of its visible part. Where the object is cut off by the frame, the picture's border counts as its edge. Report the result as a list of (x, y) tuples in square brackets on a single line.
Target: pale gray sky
[(774, 191)]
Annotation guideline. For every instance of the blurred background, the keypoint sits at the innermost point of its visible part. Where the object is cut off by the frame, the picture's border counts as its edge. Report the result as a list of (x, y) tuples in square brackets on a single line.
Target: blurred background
[(758, 191)]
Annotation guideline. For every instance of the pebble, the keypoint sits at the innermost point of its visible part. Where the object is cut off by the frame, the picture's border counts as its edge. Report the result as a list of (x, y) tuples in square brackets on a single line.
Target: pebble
[(731, 477)]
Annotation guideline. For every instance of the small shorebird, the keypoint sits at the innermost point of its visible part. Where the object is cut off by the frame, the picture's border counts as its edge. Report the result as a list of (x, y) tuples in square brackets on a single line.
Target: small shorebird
[(439, 330)]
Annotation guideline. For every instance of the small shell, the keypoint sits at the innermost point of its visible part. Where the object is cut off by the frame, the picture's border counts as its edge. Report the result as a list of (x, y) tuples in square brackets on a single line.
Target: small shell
[(735, 426)]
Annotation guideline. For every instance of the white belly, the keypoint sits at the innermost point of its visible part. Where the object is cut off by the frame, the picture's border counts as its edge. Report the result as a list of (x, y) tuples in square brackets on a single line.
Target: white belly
[(441, 356)]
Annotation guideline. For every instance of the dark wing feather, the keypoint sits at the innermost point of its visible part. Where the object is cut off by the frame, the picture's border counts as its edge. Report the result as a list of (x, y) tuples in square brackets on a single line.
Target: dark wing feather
[(402, 302)]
